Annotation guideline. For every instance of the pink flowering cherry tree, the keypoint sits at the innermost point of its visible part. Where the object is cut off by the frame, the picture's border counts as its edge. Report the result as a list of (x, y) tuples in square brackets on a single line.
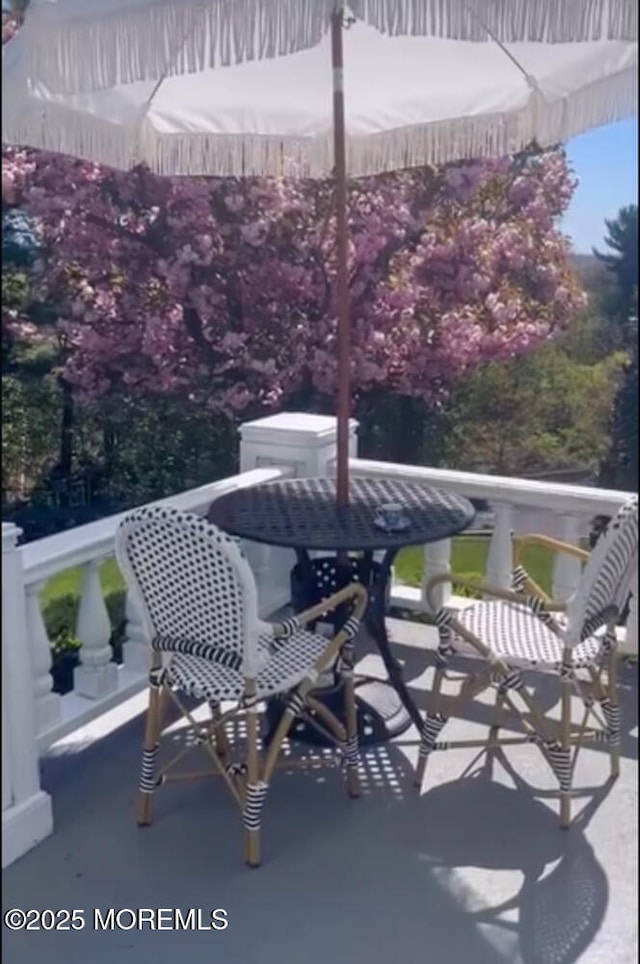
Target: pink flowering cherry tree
[(221, 291)]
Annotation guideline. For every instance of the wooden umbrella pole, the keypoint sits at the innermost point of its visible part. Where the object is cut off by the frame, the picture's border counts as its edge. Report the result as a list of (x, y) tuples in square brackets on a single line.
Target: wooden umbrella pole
[(344, 327)]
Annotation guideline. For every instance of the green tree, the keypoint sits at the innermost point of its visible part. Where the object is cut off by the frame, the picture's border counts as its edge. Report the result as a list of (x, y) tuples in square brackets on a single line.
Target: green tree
[(591, 337), (620, 467), (30, 401), (621, 261), (533, 414)]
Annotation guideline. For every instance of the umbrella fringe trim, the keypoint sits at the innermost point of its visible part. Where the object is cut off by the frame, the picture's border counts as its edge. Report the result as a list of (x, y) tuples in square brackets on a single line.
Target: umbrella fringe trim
[(161, 38), (164, 38), (60, 129), (510, 21)]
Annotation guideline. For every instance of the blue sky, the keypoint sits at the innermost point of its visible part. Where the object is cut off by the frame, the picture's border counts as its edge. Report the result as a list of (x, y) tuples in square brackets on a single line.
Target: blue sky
[(606, 163)]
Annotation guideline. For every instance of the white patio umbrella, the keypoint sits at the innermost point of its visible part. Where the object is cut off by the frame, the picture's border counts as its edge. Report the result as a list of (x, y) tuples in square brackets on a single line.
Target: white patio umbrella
[(412, 99), (78, 45), (432, 102)]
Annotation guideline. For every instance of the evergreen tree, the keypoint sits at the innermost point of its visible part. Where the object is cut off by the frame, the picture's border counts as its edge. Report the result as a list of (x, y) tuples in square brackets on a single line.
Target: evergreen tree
[(621, 260), (620, 469)]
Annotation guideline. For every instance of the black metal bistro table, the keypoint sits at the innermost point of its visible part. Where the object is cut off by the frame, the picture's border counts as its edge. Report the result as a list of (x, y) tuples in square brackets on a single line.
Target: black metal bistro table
[(303, 515)]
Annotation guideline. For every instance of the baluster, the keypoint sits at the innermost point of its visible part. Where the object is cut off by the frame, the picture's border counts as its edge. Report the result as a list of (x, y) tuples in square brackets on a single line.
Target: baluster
[(393, 576), (566, 569), (136, 645), (437, 562), (97, 675), (281, 562), (47, 703), (500, 556), (259, 558)]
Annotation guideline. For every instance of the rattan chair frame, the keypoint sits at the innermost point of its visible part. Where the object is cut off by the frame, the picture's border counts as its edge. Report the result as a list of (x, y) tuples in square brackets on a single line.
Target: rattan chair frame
[(247, 778), (596, 685)]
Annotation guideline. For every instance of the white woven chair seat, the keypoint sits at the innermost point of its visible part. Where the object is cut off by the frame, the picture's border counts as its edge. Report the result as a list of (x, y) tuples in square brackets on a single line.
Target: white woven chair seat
[(520, 637), (282, 670)]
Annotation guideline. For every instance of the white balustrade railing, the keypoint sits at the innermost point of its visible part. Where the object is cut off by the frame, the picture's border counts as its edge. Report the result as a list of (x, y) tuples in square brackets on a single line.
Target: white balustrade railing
[(34, 717), (99, 683), (519, 506), (26, 809)]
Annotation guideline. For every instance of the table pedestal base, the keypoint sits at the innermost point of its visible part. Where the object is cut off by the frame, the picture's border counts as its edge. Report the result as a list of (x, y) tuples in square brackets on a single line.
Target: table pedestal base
[(381, 715)]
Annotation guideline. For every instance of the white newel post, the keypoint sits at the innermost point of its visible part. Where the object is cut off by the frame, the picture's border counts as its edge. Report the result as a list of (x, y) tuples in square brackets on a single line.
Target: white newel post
[(307, 445), (26, 809), (97, 676)]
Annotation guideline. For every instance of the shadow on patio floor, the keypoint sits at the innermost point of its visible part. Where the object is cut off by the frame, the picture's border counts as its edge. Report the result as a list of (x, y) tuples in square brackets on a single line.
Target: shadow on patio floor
[(471, 872), (503, 831), (415, 646)]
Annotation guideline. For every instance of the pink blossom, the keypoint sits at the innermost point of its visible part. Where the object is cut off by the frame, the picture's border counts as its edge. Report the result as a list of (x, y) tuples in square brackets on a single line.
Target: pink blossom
[(224, 291)]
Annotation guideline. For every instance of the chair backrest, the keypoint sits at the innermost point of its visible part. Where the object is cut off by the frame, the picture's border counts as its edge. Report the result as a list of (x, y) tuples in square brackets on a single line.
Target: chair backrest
[(607, 577), (190, 581)]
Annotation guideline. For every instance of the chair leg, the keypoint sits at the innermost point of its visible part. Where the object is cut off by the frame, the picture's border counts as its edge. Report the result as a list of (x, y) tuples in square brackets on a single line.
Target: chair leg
[(556, 751), (563, 762), (258, 776), (220, 733), (144, 806), (493, 745), (433, 722), (611, 712), (255, 792), (351, 720)]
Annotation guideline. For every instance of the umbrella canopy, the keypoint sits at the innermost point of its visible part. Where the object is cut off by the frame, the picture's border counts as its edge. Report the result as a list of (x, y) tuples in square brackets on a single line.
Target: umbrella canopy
[(129, 81), (409, 101), (74, 45)]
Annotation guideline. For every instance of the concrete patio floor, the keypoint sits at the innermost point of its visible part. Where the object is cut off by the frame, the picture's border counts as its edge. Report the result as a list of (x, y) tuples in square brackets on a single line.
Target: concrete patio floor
[(472, 871)]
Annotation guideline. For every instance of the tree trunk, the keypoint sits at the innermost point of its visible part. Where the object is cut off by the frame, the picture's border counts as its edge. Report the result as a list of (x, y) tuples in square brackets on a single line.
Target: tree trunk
[(67, 425)]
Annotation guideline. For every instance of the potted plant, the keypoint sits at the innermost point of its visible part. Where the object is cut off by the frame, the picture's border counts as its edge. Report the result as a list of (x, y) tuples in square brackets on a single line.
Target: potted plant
[(65, 649)]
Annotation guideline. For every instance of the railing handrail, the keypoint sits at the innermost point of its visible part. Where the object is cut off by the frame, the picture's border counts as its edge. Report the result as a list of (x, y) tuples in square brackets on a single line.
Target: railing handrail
[(555, 496), (44, 558)]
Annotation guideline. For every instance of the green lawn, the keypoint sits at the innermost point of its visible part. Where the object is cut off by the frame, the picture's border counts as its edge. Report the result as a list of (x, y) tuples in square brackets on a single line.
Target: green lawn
[(60, 599), (468, 557), (67, 583)]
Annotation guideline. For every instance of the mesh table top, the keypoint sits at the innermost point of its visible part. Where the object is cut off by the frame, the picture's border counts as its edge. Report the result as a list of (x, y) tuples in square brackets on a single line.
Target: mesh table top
[(303, 514)]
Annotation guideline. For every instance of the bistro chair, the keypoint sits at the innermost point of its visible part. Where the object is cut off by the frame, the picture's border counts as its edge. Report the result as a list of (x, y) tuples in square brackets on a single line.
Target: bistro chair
[(524, 629), (198, 601)]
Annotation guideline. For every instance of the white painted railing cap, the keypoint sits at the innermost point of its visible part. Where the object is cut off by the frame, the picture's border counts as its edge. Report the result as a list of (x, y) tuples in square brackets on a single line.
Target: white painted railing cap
[(45, 557), (555, 497), (293, 430), (10, 535)]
